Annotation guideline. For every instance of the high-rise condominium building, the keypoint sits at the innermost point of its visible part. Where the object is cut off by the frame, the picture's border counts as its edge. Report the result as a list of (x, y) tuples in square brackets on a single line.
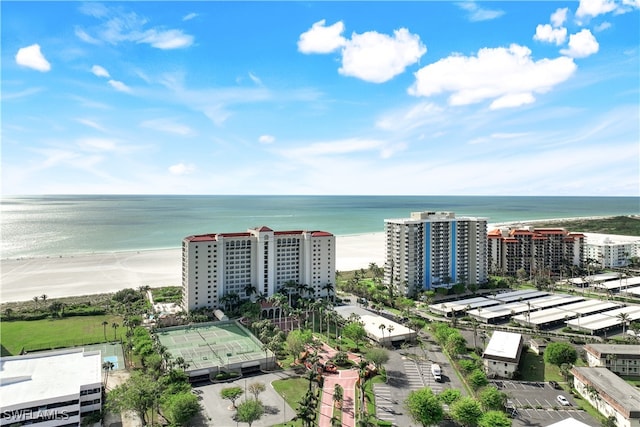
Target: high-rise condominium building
[(435, 249), (548, 250), (259, 261)]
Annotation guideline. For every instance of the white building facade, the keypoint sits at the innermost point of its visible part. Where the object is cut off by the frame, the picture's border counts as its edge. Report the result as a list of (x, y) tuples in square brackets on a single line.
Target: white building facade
[(435, 249), (622, 359), (259, 261), (609, 394), (501, 358), (611, 251), (50, 389)]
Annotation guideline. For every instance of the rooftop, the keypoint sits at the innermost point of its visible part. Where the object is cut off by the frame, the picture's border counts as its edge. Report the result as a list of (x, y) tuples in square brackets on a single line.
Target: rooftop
[(611, 388), (504, 346), (47, 376)]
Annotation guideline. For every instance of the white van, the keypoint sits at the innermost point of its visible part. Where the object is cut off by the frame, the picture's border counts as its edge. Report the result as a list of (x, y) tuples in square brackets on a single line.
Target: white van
[(436, 372)]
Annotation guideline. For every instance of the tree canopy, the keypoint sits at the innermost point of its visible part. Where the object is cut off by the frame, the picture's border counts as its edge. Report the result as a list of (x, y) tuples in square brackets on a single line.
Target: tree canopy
[(466, 411), (232, 394), (249, 411), (558, 353), (492, 399), (424, 407), (494, 419), (378, 356), (181, 408)]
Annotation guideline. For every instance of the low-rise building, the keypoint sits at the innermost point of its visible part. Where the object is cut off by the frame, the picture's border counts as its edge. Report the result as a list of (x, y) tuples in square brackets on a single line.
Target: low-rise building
[(502, 355), (609, 394), (622, 359), (50, 389)]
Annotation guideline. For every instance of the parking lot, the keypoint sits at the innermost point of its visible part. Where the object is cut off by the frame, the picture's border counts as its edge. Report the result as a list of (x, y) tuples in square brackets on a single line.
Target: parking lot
[(536, 404)]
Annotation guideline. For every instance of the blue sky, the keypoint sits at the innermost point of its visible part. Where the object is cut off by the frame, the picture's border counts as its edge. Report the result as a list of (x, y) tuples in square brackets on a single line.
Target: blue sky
[(425, 98)]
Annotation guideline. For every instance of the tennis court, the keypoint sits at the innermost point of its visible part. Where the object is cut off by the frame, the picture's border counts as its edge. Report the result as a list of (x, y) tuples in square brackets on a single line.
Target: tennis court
[(111, 352), (208, 345)]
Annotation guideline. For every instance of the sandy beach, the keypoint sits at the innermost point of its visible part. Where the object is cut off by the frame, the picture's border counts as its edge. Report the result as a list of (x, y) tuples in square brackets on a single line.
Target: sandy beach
[(67, 276), (58, 277)]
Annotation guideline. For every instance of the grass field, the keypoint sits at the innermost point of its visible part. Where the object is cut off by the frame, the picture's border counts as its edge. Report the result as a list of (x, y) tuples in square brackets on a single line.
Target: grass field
[(292, 389), (56, 333)]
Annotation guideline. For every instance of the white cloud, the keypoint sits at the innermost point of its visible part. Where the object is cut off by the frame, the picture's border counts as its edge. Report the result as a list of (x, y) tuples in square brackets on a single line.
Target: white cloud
[(581, 45), (119, 86), (119, 26), (506, 76), (559, 17), (167, 125), (602, 26), (32, 57), (331, 148), (477, 13), (189, 16), (97, 144), (171, 39), (181, 169), (592, 8), (255, 79), (512, 100), (376, 57), (99, 71), (266, 139), (546, 33), (82, 35), (322, 39), (91, 124)]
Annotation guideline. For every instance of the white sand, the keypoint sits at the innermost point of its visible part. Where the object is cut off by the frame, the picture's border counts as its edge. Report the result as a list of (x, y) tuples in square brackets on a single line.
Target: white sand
[(22, 279)]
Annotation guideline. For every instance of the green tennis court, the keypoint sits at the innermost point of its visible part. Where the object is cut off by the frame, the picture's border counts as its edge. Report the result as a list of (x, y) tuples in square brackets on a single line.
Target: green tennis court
[(208, 345)]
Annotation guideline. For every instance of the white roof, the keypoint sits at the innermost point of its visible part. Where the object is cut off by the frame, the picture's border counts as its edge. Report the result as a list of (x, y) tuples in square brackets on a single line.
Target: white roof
[(504, 345), (569, 422), (47, 376), (372, 322)]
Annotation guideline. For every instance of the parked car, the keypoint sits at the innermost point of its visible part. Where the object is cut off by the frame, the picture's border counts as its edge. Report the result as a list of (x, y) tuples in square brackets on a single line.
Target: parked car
[(563, 400), (555, 385)]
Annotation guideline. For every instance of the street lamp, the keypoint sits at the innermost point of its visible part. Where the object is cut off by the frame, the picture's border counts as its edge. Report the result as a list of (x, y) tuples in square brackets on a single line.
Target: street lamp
[(284, 408)]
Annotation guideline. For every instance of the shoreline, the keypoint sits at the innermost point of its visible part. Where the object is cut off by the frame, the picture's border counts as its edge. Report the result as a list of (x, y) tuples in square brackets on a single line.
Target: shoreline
[(98, 273), (82, 274)]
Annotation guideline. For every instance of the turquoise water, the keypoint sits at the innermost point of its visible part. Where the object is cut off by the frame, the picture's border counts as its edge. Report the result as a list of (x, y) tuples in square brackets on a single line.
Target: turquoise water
[(35, 226)]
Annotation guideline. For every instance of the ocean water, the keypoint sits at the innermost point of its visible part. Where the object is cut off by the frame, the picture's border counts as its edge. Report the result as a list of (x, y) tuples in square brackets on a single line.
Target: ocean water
[(35, 226)]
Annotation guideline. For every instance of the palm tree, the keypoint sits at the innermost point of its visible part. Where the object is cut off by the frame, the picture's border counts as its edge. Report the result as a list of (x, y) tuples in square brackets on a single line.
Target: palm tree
[(624, 318), (390, 329), (107, 367), (594, 395), (382, 327), (115, 327), (104, 328), (338, 394), (329, 288), (36, 299), (43, 297), (249, 290)]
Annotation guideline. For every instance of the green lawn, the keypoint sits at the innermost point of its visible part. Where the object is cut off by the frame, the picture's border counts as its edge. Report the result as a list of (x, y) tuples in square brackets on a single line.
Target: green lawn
[(292, 389), (56, 333)]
